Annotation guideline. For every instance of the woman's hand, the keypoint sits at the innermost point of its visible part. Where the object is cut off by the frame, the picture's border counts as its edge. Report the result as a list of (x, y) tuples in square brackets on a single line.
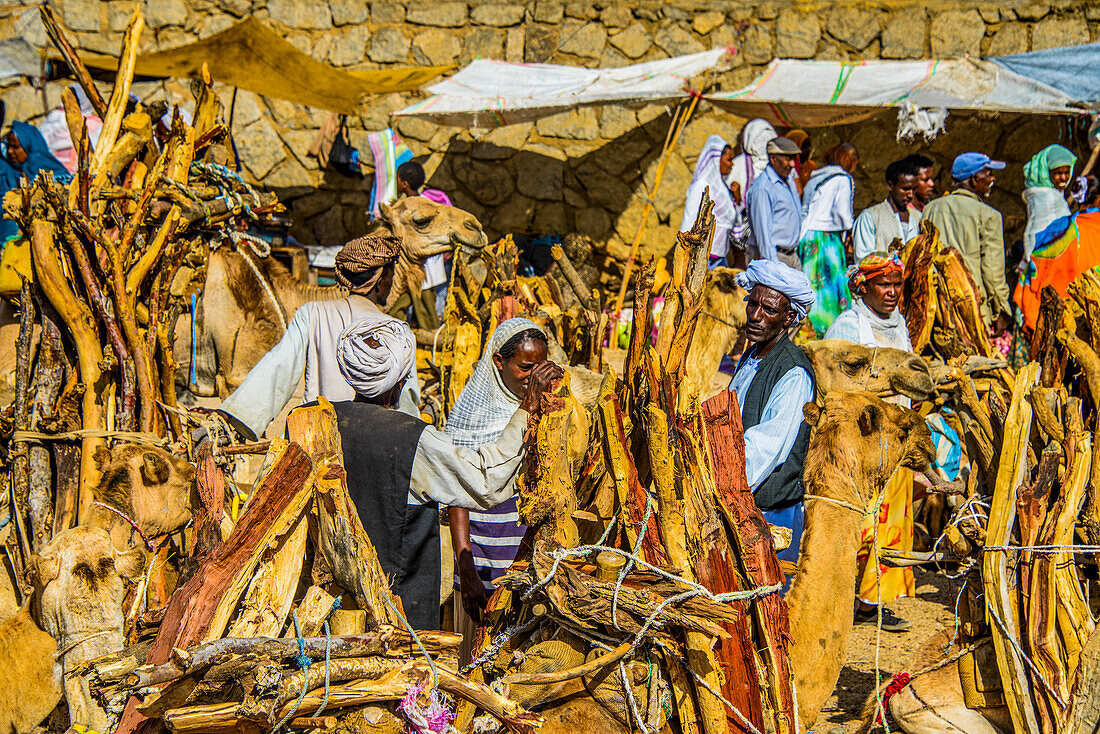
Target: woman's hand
[(735, 192), (538, 383), (471, 586)]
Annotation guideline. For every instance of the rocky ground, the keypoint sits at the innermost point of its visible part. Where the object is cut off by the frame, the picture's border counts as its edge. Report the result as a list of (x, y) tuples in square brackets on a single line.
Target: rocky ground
[(932, 607)]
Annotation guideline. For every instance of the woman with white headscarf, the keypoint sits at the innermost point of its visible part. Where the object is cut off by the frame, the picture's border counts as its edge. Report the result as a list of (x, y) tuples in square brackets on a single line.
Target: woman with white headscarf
[(753, 158), (400, 469), (714, 163), (486, 540)]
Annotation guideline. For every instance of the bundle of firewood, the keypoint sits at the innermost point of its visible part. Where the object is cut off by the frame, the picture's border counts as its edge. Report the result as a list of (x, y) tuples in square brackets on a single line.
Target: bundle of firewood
[(116, 255)]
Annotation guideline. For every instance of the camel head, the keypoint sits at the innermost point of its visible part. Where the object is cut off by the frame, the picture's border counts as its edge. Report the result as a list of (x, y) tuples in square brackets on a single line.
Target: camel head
[(427, 228), (867, 438), (841, 365), (150, 486), (79, 580)]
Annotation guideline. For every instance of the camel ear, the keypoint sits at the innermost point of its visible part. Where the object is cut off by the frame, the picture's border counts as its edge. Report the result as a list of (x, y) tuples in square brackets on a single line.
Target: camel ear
[(870, 419), (812, 413), (41, 570), (154, 469), (129, 563), (385, 212)]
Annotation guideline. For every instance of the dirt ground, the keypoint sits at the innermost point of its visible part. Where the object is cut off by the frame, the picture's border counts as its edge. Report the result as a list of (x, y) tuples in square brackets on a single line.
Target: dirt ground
[(932, 607)]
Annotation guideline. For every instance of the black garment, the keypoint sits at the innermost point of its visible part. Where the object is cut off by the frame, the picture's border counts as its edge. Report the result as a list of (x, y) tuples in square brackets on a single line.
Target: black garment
[(783, 487), (379, 445)]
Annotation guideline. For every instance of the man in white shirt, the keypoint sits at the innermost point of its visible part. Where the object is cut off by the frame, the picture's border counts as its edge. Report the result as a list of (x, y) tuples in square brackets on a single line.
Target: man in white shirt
[(894, 218), (774, 379), (399, 469)]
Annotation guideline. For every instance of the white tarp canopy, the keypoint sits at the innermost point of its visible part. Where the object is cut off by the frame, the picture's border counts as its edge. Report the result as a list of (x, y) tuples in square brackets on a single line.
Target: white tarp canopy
[(493, 93), (814, 93)]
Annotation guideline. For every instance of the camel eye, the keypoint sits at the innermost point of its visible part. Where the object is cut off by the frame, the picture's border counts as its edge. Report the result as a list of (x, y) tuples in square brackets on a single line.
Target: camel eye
[(422, 222), (853, 366)]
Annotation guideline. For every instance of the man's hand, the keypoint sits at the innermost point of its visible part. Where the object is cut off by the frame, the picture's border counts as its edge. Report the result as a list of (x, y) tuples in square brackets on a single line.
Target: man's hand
[(1002, 323), (537, 384), (735, 192), (471, 586)]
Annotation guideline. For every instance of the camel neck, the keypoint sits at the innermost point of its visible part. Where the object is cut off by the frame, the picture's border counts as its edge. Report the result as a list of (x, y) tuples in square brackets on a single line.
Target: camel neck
[(820, 598)]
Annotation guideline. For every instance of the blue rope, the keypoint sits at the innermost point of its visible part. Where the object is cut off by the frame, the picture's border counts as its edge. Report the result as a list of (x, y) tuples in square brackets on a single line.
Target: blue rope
[(328, 646)]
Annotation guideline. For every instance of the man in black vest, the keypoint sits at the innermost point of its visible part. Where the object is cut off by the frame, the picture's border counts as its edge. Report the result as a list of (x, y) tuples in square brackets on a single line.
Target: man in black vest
[(400, 469), (773, 380)]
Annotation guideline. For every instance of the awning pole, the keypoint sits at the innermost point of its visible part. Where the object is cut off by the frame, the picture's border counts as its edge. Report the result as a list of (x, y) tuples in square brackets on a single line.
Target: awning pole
[(676, 126)]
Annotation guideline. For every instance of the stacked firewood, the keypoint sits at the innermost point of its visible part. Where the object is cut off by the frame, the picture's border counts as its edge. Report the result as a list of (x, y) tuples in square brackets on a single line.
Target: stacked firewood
[(116, 255), (1029, 525), (656, 604)]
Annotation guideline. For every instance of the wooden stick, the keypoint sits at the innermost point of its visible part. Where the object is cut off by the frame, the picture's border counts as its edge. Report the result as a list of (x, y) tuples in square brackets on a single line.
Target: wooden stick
[(57, 35), (116, 108)]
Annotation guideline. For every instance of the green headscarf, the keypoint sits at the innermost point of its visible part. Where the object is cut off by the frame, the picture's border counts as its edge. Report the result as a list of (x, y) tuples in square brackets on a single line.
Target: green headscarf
[(1037, 170)]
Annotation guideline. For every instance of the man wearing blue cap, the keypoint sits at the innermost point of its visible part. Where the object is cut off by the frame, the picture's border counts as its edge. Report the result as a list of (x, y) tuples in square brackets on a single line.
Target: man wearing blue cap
[(974, 228)]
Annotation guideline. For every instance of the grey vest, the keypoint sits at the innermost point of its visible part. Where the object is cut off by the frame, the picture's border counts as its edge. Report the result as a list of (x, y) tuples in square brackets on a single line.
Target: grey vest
[(783, 487)]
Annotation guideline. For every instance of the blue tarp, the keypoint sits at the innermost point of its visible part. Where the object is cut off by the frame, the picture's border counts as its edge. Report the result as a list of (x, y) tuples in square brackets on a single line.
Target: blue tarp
[(1070, 69)]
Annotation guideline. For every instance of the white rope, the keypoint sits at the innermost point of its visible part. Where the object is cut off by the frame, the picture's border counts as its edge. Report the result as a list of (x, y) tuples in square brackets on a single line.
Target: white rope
[(1023, 655), (265, 285)]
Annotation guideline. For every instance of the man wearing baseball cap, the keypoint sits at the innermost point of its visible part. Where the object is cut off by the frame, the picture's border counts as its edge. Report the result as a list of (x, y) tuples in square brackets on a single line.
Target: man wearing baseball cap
[(974, 228), (775, 208)]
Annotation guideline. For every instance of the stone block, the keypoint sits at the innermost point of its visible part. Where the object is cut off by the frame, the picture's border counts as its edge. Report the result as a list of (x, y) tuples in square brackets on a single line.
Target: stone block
[(328, 228), (990, 14), (856, 27), (676, 41), (215, 23), (577, 124), (498, 16), (581, 11), (550, 218), (118, 15), (548, 151), (488, 183), (704, 23), (628, 219), (757, 44), (602, 189), (633, 42), (387, 12), (289, 174), (1032, 11), (83, 15), (669, 196), (260, 148), (547, 11), (388, 45), (616, 16), (796, 35), (904, 34), (585, 40), (514, 217), (435, 47), (238, 8), (484, 43), (540, 43), (502, 142), (540, 178), (443, 15), (1054, 31), (592, 221), (416, 128), (957, 33), (1011, 39), (1092, 12), (309, 15), (350, 12), (348, 46), (612, 58), (616, 121), (513, 46), (767, 10), (312, 204)]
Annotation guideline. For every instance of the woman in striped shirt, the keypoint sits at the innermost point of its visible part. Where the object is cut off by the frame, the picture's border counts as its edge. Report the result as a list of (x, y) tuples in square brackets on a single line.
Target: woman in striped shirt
[(485, 542)]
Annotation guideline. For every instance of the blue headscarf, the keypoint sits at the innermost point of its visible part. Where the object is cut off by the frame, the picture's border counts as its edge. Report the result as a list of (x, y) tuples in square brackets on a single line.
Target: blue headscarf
[(9, 179), (39, 157)]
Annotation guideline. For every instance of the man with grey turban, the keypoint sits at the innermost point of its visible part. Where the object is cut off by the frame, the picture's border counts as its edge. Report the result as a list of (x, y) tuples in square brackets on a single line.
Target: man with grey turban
[(365, 267), (773, 380), (400, 469)]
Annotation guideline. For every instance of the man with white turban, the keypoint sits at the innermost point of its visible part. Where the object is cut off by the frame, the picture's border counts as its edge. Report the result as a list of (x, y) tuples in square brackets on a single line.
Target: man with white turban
[(400, 469), (773, 380), (365, 267)]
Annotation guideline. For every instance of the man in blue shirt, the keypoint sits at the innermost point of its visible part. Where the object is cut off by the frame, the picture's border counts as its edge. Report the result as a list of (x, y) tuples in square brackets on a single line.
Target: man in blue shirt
[(775, 208)]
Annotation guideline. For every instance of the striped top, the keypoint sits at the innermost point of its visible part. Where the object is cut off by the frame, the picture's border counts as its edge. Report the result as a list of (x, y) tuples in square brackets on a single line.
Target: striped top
[(495, 537)]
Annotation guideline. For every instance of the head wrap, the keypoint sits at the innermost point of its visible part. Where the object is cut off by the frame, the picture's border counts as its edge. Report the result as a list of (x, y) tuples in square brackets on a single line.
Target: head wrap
[(782, 278), (369, 252), (485, 405), (1037, 170), (797, 136), (874, 265), (39, 157), (754, 141), (708, 174), (376, 354)]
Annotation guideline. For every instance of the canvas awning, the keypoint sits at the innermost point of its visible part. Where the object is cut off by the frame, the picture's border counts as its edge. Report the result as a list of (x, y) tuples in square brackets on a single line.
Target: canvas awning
[(815, 93), (493, 93), (1071, 69), (252, 56)]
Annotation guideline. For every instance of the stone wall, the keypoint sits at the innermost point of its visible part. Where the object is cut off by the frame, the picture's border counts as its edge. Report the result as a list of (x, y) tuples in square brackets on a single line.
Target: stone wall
[(588, 169)]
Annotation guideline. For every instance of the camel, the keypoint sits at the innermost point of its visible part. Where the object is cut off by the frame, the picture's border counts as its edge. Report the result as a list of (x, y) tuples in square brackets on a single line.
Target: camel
[(841, 365), (247, 301), (80, 577), (720, 323)]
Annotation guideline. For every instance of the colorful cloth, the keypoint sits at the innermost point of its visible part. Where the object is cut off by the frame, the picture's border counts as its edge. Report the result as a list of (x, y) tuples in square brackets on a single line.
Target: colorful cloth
[(823, 262), (389, 152), (1037, 170), (895, 531), (948, 446), (874, 265), (1045, 203), (1058, 262), (363, 254)]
